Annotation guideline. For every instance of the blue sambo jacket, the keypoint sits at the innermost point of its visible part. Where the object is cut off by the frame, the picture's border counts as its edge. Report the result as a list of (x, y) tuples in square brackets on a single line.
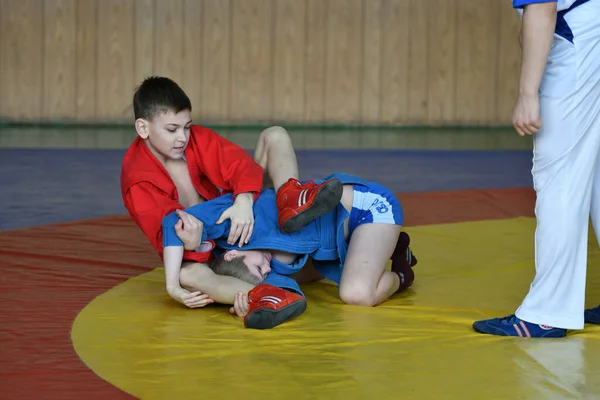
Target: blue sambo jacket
[(322, 239)]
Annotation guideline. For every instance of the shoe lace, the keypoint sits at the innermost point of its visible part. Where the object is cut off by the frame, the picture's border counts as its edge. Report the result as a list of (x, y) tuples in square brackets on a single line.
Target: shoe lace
[(509, 319)]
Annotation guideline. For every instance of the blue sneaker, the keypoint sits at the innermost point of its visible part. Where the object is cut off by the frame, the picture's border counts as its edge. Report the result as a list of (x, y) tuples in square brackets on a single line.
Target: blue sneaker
[(513, 326), (592, 315)]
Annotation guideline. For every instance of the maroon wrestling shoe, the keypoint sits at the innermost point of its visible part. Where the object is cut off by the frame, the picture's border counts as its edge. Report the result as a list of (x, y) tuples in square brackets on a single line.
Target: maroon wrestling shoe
[(403, 261), (271, 306)]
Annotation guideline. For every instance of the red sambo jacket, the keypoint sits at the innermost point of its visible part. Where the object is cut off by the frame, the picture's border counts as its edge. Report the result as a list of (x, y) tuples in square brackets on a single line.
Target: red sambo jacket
[(149, 193)]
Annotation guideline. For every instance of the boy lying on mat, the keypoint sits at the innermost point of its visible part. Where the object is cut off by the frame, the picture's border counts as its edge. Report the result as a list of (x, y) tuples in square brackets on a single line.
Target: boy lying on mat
[(350, 245)]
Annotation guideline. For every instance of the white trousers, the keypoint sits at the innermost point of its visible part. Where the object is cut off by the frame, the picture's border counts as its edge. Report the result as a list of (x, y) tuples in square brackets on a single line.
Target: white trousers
[(566, 173)]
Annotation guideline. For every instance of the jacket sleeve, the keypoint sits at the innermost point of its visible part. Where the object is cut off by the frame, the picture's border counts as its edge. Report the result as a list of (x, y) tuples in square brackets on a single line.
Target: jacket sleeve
[(207, 212), (147, 206), (228, 165)]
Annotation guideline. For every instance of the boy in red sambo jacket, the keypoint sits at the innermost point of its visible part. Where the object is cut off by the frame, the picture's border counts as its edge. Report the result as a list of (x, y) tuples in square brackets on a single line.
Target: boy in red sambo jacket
[(173, 165)]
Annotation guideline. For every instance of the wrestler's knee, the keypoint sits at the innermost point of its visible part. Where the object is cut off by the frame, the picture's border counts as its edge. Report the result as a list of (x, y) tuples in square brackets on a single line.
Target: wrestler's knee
[(275, 136), (193, 275), (357, 295)]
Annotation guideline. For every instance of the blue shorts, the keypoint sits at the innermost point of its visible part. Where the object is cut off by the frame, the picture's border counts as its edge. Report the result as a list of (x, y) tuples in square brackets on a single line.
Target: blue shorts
[(374, 204)]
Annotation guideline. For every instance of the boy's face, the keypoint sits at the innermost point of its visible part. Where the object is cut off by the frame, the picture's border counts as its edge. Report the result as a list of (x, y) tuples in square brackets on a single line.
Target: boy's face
[(167, 134), (257, 262)]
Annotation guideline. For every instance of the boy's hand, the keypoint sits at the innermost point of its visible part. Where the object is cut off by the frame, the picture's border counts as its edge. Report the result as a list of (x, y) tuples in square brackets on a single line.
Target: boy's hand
[(191, 300), (242, 219), (526, 116), (241, 306), (189, 230)]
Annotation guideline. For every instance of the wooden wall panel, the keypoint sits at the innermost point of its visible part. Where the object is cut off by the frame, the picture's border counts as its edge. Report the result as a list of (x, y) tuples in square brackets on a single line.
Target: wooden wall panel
[(441, 66), (315, 62), (343, 60), (371, 62), (86, 61), (22, 62), (169, 39), (477, 60), (192, 53), (251, 88), (418, 75), (115, 35), (60, 63), (144, 39), (395, 62), (216, 60), (288, 66), (372, 40)]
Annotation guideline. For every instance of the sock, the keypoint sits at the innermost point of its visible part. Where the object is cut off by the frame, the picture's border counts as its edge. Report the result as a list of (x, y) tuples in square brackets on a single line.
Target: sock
[(402, 262)]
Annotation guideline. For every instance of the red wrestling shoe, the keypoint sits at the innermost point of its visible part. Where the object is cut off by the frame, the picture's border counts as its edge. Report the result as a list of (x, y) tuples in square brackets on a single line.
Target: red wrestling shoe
[(298, 204), (402, 262), (270, 306)]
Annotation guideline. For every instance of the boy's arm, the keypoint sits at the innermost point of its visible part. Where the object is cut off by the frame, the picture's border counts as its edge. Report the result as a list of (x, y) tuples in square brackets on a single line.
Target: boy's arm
[(207, 214), (538, 26), (221, 289), (173, 256), (147, 205), (173, 251)]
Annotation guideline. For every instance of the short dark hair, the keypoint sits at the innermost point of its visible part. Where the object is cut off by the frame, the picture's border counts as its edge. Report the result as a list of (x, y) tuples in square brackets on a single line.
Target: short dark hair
[(234, 267), (156, 95)]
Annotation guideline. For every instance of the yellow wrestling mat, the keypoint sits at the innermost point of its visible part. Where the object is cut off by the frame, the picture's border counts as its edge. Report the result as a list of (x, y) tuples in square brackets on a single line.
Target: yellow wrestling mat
[(418, 345)]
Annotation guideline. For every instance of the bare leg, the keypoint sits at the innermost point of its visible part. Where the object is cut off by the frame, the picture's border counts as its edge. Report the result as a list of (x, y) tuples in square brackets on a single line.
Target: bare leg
[(364, 279), (297, 203), (275, 153), (222, 289)]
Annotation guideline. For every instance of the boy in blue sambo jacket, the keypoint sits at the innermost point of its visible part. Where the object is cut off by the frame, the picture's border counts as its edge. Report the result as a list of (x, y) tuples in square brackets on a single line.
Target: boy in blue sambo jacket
[(350, 245)]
